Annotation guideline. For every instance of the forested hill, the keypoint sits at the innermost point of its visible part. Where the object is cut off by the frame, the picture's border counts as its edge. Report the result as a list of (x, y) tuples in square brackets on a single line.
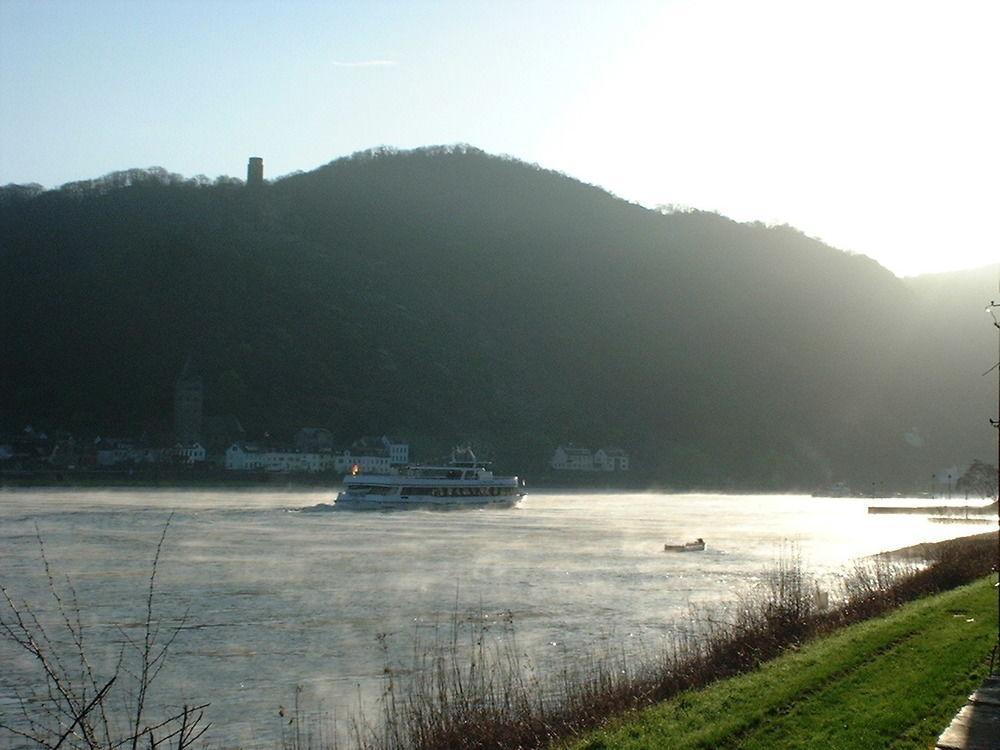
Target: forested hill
[(446, 295)]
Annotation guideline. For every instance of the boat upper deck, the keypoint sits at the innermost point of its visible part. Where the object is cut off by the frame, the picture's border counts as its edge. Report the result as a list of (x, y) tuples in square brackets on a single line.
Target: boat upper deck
[(434, 475)]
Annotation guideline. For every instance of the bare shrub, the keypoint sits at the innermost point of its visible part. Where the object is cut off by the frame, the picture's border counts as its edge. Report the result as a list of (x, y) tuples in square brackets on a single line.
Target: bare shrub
[(874, 584), (307, 730), (71, 702)]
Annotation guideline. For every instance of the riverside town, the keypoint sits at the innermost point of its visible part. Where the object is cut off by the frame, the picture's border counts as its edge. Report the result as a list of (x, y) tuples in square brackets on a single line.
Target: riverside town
[(217, 446)]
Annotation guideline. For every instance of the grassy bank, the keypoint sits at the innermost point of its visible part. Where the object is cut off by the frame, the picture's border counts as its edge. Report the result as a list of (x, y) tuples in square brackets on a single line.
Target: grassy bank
[(894, 681)]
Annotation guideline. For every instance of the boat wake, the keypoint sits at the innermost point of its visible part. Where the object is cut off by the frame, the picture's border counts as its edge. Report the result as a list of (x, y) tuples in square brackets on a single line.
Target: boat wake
[(317, 508)]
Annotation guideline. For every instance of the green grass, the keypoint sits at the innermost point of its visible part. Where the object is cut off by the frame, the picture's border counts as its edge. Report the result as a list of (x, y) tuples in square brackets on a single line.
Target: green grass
[(892, 682)]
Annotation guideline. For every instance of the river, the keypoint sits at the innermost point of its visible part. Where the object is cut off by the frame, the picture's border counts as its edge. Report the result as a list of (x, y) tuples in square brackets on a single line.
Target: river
[(279, 599)]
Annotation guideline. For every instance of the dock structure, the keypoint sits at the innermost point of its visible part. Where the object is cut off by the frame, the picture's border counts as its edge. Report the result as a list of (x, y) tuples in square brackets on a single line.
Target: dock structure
[(977, 725)]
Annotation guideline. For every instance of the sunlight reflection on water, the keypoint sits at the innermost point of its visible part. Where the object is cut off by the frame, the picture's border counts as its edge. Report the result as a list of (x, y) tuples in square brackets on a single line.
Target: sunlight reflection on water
[(281, 598)]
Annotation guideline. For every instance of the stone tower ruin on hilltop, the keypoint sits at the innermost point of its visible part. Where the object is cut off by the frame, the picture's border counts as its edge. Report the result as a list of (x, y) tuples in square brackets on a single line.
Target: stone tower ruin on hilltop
[(255, 172)]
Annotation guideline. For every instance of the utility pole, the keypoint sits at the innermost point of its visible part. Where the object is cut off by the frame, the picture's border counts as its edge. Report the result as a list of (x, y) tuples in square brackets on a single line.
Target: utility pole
[(993, 309)]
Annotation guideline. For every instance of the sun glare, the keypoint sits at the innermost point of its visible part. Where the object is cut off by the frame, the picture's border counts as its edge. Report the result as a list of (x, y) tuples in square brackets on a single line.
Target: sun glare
[(866, 125)]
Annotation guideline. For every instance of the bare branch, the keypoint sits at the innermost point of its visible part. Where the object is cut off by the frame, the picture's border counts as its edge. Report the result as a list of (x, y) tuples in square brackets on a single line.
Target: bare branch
[(97, 699), (13, 730), (71, 707), (144, 679), (135, 737)]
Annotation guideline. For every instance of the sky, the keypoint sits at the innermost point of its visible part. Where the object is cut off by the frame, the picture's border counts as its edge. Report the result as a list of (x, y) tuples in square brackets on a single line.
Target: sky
[(871, 125)]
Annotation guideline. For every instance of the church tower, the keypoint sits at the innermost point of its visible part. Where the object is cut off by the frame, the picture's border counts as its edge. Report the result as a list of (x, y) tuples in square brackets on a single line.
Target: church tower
[(189, 395)]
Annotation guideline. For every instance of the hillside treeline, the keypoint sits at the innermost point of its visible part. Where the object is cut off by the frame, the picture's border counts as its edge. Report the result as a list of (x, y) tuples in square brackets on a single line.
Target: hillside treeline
[(446, 295)]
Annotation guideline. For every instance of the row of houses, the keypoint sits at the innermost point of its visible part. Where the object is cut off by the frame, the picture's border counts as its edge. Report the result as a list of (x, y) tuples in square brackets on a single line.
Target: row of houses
[(574, 458), (311, 451), (370, 455), (123, 453), (32, 449)]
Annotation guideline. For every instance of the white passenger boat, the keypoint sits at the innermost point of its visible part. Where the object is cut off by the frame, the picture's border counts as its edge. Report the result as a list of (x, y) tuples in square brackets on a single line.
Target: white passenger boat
[(462, 482)]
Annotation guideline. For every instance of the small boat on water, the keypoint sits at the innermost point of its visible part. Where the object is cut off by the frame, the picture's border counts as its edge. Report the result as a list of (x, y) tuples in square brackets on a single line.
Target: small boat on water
[(698, 545), (462, 482)]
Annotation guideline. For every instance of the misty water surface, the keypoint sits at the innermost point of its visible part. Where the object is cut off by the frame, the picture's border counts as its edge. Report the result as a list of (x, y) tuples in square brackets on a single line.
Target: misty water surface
[(279, 599)]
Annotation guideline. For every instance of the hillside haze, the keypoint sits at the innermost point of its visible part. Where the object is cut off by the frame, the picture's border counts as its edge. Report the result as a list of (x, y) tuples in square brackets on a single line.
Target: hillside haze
[(446, 295)]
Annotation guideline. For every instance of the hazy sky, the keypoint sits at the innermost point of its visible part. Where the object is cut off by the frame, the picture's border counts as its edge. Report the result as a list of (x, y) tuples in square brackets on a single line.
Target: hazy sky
[(873, 125)]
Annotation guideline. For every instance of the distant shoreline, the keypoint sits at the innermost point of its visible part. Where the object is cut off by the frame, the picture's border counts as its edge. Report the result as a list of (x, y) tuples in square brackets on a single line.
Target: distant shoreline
[(182, 477), (936, 510), (109, 480), (217, 478)]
